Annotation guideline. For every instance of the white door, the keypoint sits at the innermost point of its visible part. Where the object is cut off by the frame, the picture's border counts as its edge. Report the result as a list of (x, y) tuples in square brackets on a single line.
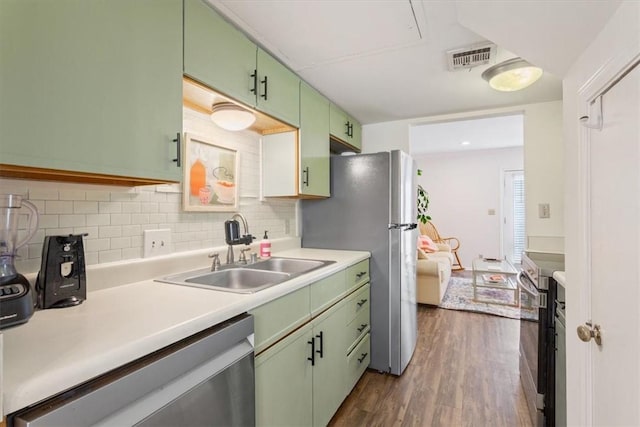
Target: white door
[(513, 211), (613, 237)]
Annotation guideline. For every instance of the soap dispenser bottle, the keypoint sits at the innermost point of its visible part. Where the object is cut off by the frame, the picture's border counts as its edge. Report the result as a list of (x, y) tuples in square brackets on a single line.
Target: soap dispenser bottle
[(265, 246)]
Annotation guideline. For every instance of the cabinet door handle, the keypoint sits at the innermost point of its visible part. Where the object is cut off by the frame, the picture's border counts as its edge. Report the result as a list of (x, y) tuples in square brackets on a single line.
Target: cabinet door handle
[(313, 351), (364, 356), (254, 76), (361, 274), (266, 87), (305, 176), (362, 302), (347, 125), (362, 327), (178, 159), (320, 352), (350, 131)]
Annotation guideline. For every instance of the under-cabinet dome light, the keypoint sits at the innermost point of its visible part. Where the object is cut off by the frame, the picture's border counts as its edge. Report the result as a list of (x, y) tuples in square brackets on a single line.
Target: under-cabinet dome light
[(232, 117)]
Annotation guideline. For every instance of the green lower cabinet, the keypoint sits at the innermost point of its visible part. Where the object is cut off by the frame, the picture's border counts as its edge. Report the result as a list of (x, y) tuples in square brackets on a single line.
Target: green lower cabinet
[(284, 381), (330, 364), (300, 381)]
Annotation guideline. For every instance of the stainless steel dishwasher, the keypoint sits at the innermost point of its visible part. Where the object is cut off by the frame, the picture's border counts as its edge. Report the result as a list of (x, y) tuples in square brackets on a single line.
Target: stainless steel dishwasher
[(204, 380)]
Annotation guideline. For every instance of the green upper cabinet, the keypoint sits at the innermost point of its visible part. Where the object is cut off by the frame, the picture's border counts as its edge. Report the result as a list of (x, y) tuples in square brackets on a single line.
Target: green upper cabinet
[(92, 86), (314, 143), (218, 55), (278, 89), (345, 128), (223, 58)]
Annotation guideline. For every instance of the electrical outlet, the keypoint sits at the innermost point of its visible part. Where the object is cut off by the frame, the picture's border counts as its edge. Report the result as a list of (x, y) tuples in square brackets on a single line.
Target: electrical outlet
[(157, 242), (544, 210)]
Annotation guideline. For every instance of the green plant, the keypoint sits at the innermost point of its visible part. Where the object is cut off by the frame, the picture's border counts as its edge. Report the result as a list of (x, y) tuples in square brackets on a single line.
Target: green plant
[(423, 203)]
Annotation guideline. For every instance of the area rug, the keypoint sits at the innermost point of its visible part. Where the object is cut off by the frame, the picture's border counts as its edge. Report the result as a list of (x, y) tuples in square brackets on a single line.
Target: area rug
[(459, 296)]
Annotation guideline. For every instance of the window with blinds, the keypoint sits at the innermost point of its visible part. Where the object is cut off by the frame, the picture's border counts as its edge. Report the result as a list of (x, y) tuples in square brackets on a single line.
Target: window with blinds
[(518, 217)]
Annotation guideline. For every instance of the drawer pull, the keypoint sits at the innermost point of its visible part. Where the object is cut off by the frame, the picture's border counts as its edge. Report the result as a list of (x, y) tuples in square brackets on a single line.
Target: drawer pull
[(362, 302), (361, 275), (364, 356), (362, 327)]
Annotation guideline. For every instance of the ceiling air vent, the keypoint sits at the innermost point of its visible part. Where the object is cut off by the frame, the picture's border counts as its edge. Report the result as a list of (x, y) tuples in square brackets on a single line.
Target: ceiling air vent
[(471, 57)]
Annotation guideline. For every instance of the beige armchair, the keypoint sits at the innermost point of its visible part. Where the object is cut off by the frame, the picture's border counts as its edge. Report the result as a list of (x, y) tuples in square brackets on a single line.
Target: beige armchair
[(430, 230), (433, 272)]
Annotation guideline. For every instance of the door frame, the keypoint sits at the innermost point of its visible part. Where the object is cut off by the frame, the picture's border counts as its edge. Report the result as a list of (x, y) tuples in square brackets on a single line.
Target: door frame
[(600, 81)]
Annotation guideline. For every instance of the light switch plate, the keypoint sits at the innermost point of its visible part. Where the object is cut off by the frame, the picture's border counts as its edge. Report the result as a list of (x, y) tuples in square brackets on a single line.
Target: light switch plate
[(157, 242), (544, 210)]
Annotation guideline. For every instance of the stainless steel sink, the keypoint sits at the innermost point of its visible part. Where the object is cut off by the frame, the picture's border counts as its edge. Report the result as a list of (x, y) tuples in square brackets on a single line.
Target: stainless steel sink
[(246, 278), (288, 265), (238, 280)]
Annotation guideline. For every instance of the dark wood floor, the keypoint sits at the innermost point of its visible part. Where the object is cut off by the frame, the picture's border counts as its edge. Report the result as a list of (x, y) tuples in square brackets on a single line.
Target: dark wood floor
[(464, 372)]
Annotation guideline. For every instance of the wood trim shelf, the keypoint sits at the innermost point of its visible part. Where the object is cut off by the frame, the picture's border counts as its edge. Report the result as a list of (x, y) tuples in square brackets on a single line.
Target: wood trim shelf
[(43, 174)]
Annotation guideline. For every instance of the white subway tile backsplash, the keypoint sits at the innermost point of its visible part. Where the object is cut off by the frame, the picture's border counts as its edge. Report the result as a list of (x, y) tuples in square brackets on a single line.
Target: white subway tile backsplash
[(120, 219), (115, 218), (131, 207), (97, 245), (110, 207), (131, 253), (72, 194), (98, 219), (100, 196), (120, 242), (57, 207), (72, 221), (131, 230), (85, 207), (48, 221), (110, 231), (110, 255), (157, 218), (149, 207), (44, 193)]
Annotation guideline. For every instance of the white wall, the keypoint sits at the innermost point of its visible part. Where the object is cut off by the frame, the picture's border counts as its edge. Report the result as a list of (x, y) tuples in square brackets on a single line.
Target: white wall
[(462, 188), (544, 174), (617, 44), (115, 217)]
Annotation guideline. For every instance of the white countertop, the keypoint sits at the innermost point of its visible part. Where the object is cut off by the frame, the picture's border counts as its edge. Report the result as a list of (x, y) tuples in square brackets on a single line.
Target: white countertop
[(61, 348), (560, 278)]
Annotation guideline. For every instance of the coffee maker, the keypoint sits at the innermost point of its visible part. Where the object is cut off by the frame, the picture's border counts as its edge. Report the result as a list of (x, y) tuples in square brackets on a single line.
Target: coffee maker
[(16, 297), (62, 281)]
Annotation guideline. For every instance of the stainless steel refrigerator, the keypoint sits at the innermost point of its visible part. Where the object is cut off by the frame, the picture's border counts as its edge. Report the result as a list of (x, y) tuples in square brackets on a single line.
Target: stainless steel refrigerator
[(373, 207)]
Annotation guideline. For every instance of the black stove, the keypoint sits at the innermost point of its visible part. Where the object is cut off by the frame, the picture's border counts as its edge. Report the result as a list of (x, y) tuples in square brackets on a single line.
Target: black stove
[(537, 332)]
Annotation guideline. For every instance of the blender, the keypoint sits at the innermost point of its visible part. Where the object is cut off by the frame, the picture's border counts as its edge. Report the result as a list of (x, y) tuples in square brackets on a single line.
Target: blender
[(16, 301)]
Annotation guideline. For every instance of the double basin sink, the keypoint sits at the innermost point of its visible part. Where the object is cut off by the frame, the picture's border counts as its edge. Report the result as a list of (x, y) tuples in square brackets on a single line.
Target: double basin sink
[(247, 278)]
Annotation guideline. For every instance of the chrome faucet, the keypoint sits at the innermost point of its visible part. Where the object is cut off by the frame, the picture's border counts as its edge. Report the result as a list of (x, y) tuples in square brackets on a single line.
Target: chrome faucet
[(232, 235)]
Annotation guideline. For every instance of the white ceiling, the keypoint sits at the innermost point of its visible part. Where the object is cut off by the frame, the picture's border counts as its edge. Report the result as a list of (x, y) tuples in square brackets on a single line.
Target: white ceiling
[(384, 60), (480, 134)]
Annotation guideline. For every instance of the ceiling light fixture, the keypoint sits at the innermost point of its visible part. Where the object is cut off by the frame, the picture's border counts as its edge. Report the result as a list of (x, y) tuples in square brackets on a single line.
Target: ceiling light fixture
[(511, 75), (232, 117), (465, 143)]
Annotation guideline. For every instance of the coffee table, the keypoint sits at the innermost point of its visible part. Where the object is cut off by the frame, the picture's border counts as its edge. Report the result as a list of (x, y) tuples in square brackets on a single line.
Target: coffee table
[(496, 274)]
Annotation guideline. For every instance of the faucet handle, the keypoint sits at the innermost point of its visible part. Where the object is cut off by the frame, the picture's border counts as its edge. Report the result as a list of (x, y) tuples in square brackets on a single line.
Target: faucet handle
[(215, 265), (243, 255)]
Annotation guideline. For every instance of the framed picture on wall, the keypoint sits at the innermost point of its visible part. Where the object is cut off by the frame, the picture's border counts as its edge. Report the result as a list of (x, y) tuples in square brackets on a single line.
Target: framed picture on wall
[(210, 181)]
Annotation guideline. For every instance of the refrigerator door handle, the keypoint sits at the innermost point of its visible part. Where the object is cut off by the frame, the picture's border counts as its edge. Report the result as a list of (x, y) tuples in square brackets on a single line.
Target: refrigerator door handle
[(404, 227)]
